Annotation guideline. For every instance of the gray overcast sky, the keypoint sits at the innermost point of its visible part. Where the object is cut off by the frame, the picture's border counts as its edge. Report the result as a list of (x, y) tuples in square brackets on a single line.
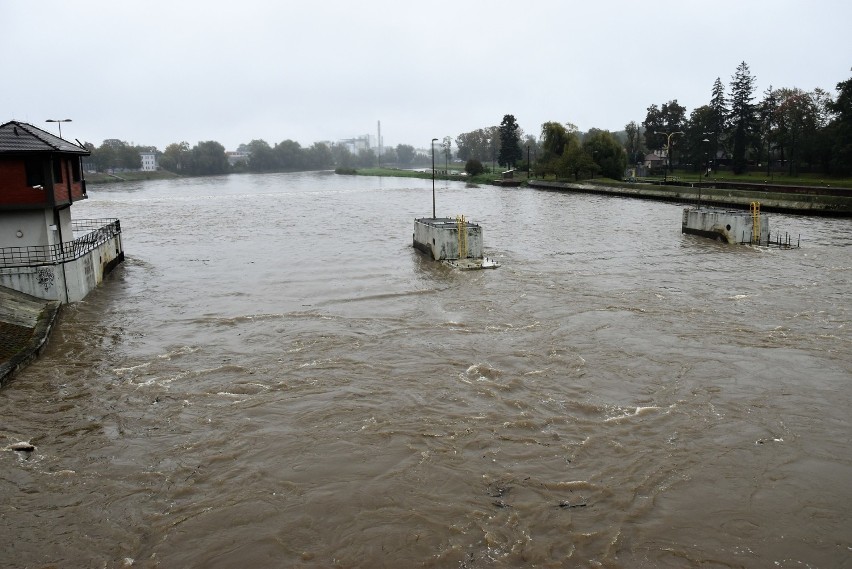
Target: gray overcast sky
[(158, 72)]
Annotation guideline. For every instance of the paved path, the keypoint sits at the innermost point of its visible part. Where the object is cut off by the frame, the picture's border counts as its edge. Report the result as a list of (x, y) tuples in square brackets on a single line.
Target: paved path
[(25, 324)]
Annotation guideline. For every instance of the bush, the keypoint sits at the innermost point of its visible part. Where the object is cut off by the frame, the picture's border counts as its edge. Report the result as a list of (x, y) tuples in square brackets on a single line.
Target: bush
[(474, 167)]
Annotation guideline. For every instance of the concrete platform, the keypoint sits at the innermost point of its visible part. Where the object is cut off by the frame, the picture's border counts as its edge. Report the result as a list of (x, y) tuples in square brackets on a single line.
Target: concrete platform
[(25, 324)]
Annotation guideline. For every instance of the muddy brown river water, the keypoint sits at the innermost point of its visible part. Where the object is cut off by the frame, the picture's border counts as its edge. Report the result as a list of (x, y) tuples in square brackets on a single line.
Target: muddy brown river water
[(276, 378)]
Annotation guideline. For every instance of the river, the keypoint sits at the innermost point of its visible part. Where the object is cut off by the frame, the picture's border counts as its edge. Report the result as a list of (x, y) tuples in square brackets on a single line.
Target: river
[(275, 377)]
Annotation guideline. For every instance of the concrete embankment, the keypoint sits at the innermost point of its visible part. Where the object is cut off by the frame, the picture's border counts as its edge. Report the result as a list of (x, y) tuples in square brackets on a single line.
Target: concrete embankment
[(25, 324), (707, 194)]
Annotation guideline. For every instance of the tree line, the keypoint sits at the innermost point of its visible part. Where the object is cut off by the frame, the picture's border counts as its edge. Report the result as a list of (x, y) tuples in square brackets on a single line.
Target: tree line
[(560, 150), (210, 158), (789, 130)]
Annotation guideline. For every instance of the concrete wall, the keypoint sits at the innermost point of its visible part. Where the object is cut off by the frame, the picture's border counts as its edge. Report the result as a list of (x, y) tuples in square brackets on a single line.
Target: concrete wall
[(69, 282), (440, 239), (726, 225), (25, 228), (34, 226)]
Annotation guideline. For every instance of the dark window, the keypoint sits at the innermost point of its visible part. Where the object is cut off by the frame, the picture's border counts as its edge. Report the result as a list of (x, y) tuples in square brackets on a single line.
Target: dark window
[(35, 171), (75, 169), (57, 169)]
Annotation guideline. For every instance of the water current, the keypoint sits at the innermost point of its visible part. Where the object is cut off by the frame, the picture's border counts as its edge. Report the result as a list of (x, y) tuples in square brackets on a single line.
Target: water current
[(275, 377)]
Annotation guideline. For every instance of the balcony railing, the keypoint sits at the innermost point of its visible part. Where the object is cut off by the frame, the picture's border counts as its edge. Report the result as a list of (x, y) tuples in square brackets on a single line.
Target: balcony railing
[(93, 232)]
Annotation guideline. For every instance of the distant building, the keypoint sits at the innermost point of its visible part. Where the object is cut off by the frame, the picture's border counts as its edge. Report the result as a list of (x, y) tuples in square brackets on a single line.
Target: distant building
[(359, 143), (655, 159), (235, 157), (43, 251), (149, 161)]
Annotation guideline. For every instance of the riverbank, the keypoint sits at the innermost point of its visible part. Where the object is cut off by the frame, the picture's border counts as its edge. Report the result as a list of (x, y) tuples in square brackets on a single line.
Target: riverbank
[(25, 324), (773, 198), (801, 199), (132, 176)]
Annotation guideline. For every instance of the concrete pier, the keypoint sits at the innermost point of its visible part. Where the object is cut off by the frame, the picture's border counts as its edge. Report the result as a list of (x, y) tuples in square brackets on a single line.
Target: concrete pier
[(731, 226), (446, 238), (454, 241)]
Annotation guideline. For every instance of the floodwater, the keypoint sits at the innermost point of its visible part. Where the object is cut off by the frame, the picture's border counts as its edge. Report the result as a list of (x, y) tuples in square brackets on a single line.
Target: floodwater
[(276, 378)]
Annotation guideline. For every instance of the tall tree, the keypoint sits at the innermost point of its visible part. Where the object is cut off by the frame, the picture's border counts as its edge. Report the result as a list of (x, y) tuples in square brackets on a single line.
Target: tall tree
[(318, 157), (606, 152), (718, 121), (510, 142), (660, 124), (261, 157), (576, 161), (479, 144), (405, 154), (176, 158), (634, 145), (840, 129), (798, 119), (742, 117), (446, 147), (699, 128), (208, 158), (288, 155)]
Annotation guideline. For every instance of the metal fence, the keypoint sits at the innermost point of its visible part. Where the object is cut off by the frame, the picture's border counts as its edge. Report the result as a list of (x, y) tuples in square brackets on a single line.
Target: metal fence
[(93, 232)]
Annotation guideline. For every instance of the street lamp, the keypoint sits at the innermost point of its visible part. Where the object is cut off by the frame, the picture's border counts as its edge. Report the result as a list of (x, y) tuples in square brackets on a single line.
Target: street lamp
[(434, 140), (706, 142), (60, 121), (668, 136)]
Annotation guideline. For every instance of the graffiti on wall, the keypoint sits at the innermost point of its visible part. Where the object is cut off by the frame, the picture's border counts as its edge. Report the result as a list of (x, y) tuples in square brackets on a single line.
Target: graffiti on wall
[(44, 276)]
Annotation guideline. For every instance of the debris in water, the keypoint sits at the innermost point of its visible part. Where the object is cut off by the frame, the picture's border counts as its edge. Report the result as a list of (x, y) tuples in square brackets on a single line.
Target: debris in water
[(567, 504)]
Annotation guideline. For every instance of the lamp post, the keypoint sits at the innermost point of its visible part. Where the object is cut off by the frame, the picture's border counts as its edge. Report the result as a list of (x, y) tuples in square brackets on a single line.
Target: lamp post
[(60, 121), (433, 177), (706, 142), (529, 165), (668, 136)]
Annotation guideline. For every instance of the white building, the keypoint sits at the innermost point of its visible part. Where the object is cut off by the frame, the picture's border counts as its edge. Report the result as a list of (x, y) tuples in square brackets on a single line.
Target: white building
[(149, 161)]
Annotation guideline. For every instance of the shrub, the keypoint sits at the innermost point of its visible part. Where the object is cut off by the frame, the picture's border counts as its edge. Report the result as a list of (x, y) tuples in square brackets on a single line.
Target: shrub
[(474, 167)]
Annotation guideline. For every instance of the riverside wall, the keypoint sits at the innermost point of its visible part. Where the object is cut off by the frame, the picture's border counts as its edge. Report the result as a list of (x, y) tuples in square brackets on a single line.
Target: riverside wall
[(836, 202)]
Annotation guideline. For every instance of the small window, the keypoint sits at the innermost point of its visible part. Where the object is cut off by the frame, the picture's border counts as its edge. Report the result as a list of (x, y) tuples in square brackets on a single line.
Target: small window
[(57, 169), (35, 171), (75, 169)]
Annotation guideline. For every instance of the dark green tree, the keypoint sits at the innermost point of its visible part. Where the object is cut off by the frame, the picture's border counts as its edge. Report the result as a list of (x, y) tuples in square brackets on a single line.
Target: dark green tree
[(176, 158), (482, 144), (576, 162), (718, 121), (261, 158), (634, 144), (208, 159), (318, 157), (606, 152), (474, 167), (699, 128), (742, 117), (366, 158), (510, 142), (288, 156), (767, 111), (840, 129), (405, 154), (342, 156), (663, 120)]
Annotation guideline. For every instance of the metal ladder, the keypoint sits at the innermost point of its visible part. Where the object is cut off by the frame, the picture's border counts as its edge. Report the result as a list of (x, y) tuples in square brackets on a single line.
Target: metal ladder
[(462, 225), (755, 223)]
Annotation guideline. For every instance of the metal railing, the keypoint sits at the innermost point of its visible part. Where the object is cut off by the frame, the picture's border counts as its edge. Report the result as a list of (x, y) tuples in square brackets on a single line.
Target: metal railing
[(94, 232)]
